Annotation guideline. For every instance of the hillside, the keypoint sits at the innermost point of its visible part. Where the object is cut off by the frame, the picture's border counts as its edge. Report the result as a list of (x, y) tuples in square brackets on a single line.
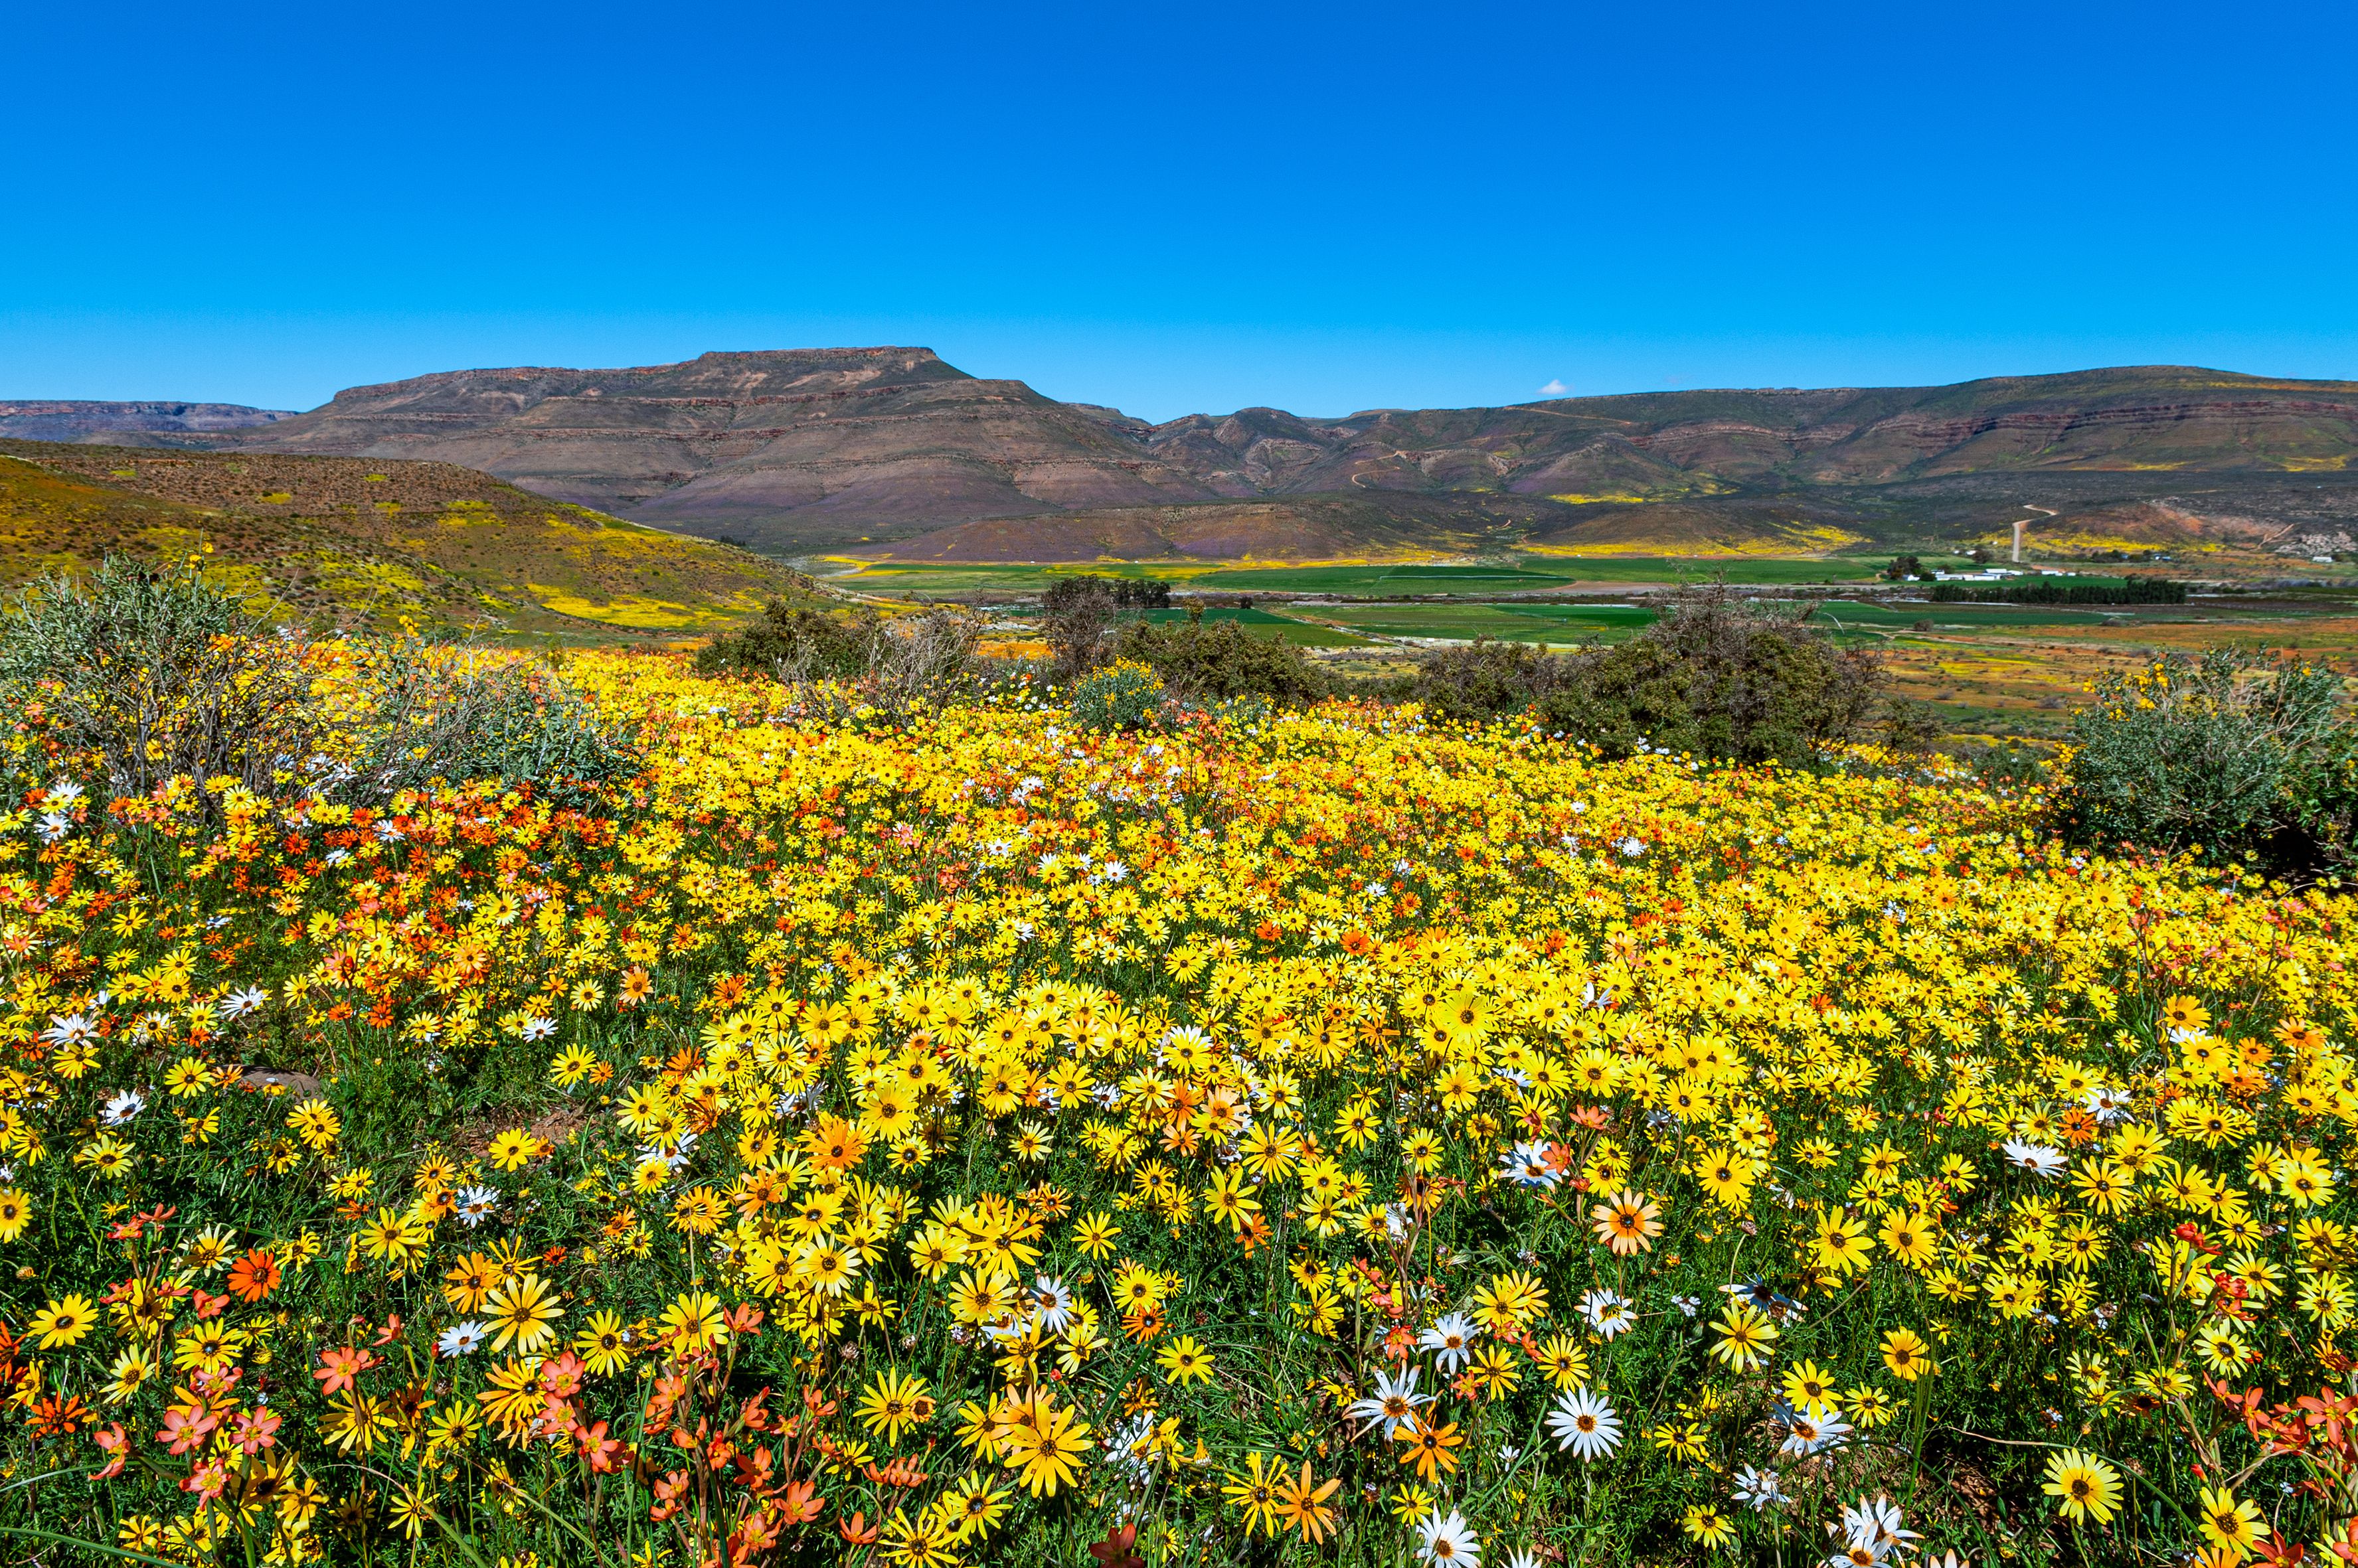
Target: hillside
[(341, 542), (892, 451)]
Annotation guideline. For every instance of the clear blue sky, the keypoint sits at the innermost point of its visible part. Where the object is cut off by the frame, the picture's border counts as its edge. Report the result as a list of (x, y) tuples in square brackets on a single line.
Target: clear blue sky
[(1178, 208)]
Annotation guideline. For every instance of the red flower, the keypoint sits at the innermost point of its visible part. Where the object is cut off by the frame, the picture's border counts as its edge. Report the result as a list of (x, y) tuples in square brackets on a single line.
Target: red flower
[(186, 1427), (255, 1431), (341, 1367), (598, 1448), (114, 1442)]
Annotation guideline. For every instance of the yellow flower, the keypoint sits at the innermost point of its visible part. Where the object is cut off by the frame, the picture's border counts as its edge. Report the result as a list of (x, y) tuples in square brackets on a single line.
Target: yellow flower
[(894, 1403), (1093, 1234), (1185, 1361), (1044, 1450), (2085, 1487), (63, 1324), (1906, 1355), (16, 1213), (2229, 1524), (526, 1315), (603, 1344), (1254, 1491), (692, 1321), (1746, 1335), (514, 1149)]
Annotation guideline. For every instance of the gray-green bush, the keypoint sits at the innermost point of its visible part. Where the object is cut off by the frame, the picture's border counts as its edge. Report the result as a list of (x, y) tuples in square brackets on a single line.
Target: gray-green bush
[(2232, 753), (150, 674)]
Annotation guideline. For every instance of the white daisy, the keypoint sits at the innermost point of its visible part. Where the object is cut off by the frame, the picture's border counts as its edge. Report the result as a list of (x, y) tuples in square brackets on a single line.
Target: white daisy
[(1447, 1539), (1607, 1312), (1585, 1424), (2036, 1158), (460, 1340), (1054, 1302), (1393, 1406), (1451, 1340)]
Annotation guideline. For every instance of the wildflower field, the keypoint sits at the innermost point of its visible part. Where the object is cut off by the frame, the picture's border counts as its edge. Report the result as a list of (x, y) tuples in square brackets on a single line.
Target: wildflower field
[(971, 1136)]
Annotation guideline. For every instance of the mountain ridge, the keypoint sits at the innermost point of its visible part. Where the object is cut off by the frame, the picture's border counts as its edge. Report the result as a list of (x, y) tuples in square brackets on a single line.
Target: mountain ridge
[(889, 449)]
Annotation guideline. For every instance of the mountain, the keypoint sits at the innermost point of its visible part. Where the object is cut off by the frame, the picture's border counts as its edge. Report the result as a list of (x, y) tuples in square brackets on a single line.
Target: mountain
[(72, 421), (892, 451), (791, 450), (342, 542)]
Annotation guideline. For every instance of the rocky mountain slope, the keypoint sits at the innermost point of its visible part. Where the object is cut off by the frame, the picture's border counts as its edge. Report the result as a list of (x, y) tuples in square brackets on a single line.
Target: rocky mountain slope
[(145, 424), (892, 450), (796, 450)]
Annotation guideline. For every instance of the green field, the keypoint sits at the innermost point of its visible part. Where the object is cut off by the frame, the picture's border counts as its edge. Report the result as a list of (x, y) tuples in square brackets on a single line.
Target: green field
[(1370, 580), (1262, 623), (1504, 622), (1380, 581)]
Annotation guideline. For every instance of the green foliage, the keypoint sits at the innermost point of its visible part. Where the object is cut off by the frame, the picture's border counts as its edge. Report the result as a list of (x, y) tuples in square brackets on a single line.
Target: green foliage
[(1714, 679), (2046, 590), (153, 675), (1488, 681), (2231, 753), (460, 716), (1075, 614), (1911, 727), (1122, 696), (795, 643), (150, 677), (1206, 662)]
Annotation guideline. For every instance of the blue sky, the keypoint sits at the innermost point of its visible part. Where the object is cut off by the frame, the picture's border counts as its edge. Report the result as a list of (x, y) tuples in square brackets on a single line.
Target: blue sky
[(1322, 207)]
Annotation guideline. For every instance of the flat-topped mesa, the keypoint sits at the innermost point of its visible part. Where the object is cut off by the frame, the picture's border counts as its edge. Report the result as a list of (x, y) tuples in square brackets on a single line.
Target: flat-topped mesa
[(807, 445)]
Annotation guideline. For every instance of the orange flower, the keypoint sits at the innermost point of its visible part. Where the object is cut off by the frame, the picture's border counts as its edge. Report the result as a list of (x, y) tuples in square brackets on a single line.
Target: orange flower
[(254, 1276), (1627, 1222), (835, 1144)]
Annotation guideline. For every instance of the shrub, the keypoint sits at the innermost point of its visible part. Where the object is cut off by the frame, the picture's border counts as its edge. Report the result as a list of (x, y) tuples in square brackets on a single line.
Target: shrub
[(794, 643), (2232, 752), (1205, 664), (1716, 679), (1121, 696), (1075, 612), (459, 716), (153, 675), (1910, 728), (1487, 680), (926, 659)]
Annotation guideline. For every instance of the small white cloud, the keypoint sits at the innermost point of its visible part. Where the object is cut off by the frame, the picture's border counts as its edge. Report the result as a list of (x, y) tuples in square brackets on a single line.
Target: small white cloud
[(1555, 389)]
